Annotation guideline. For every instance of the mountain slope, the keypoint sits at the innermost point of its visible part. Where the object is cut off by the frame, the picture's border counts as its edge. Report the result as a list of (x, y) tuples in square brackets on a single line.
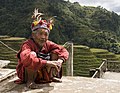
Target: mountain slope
[(91, 26)]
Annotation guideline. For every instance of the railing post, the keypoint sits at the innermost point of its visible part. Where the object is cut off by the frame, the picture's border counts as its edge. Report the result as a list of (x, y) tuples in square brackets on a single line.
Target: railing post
[(105, 65), (99, 72), (69, 63)]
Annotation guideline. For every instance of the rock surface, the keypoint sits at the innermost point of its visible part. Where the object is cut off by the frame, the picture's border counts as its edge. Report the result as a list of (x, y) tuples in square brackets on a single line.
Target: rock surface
[(4, 63), (68, 85)]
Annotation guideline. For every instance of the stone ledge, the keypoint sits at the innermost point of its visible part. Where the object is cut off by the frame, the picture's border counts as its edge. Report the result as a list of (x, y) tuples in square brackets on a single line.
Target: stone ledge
[(3, 63), (7, 74), (68, 85)]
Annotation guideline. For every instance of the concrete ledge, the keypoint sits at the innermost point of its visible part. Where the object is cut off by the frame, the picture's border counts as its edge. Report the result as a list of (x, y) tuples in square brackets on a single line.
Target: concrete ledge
[(4, 63), (7, 74), (68, 85)]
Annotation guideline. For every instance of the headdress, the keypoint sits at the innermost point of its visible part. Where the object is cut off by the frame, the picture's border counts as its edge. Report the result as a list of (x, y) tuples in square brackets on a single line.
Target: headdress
[(39, 23)]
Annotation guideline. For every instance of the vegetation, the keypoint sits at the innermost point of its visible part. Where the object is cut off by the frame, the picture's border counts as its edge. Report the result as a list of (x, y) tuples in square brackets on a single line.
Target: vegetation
[(85, 25), (104, 54), (8, 54)]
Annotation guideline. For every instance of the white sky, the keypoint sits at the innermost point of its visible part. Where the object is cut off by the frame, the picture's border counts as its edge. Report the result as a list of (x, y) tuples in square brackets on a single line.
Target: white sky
[(111, 5)]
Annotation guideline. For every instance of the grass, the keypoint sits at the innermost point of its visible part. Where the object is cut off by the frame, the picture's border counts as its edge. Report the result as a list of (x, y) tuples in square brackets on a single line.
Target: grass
[(83, 61), (118, 55), (7, 54), (14, 38), (105, 54), (96, 50)]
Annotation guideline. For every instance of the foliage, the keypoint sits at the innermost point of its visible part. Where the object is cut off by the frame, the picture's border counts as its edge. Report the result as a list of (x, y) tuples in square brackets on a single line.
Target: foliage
[(91, 26)]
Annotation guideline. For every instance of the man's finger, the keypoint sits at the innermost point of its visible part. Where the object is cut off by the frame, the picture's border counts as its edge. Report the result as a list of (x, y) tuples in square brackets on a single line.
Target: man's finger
[(56, 67)]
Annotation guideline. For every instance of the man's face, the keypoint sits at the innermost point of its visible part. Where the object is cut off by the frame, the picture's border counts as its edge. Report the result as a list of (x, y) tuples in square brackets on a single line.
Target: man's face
[(40, 36)]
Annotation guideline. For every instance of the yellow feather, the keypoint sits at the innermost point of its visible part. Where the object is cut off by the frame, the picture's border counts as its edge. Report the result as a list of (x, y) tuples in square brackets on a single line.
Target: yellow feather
[(50, 27), (35, 22)]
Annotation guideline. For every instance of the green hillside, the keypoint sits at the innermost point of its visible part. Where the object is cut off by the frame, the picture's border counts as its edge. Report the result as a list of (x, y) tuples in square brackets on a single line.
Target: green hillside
[(84, 25)]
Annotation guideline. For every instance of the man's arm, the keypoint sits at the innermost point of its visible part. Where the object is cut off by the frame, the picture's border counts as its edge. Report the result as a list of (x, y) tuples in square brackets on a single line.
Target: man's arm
[(31, 61), (59, 50), (29, 58)]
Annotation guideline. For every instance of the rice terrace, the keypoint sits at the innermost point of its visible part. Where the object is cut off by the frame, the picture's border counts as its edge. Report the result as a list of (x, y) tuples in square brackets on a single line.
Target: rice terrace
[(86, 61)]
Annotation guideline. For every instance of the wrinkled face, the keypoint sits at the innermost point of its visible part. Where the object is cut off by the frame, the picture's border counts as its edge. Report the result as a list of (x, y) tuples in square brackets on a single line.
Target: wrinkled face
[(40, 36)]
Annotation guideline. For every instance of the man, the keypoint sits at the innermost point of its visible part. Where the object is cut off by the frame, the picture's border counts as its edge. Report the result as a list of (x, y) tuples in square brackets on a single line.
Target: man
[(40, 60)]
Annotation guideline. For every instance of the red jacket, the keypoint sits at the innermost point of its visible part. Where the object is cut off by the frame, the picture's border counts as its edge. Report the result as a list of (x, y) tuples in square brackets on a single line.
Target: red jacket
[(27, 59)]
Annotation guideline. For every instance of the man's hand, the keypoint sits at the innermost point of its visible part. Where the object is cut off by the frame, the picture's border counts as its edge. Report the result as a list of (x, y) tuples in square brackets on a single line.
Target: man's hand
[(57, 64), (60, 61), (32, 53), (50, 64)]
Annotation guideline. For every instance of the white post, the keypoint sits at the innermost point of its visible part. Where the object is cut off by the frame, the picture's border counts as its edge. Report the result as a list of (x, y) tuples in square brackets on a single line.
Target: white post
[(69, 63)]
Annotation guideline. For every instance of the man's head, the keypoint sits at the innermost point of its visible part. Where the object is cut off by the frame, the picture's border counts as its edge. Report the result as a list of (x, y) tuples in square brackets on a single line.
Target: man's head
[(40, 28), (40, 36)]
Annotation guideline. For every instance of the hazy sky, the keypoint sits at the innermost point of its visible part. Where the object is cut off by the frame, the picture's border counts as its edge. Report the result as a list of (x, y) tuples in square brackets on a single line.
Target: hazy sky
[(111, 5)]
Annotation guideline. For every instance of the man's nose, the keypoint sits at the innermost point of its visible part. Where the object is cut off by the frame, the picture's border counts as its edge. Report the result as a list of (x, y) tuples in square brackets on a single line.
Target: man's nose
[(43, 36)]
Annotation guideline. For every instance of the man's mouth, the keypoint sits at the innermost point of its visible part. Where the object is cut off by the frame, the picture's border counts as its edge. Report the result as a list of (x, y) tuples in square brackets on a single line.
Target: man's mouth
[(42, 41)]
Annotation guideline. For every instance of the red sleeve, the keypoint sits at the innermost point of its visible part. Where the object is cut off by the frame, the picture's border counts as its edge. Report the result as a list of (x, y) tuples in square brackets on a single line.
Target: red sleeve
[(30, 60), (60, 50)]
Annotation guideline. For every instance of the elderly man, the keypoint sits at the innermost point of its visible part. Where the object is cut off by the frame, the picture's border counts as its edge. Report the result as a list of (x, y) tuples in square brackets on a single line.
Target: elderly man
[(40, 60)]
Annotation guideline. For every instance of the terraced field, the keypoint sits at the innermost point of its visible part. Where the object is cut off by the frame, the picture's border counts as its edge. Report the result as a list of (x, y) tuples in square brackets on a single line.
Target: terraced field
[(104, 54), (6, 53), (84, 58)]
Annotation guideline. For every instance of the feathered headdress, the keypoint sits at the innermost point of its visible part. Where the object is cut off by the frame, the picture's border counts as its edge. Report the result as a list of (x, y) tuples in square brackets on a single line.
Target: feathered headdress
[(39, 23)]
